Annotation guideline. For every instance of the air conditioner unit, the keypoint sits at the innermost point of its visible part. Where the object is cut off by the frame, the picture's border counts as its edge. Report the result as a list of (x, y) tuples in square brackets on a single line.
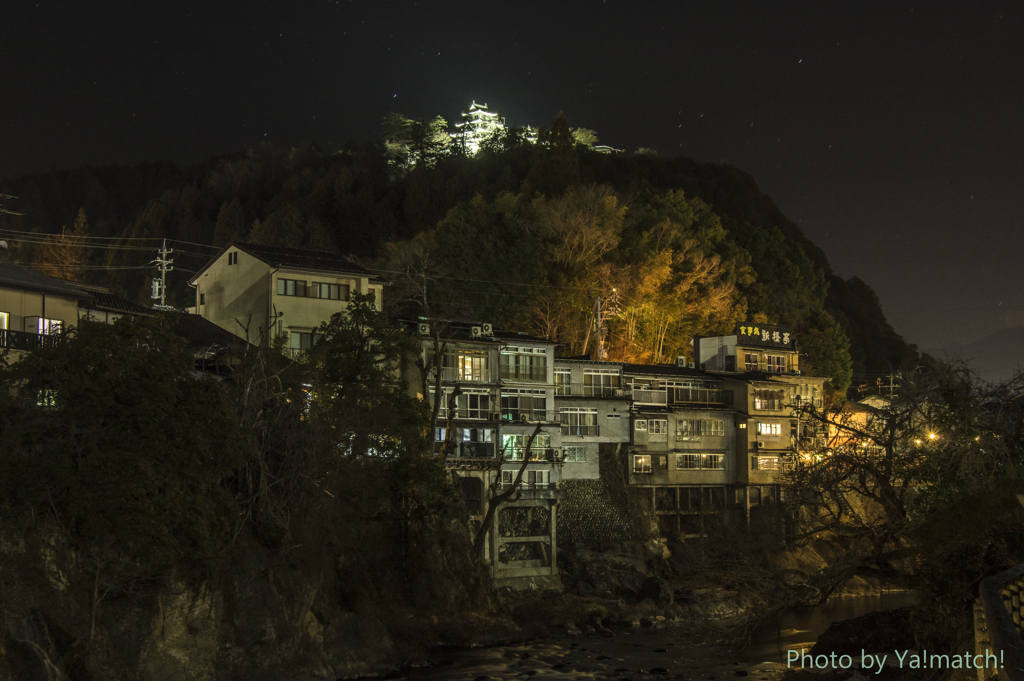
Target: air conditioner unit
[(524, 418), (496, 416), (618, 392), (424, 329), (760, 445), (681, 361), (488, 330), (690, 365), (475, 332)]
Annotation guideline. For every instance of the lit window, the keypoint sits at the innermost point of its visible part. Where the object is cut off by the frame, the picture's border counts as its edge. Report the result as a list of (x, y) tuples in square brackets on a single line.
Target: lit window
[(657, 426), (641, 463), (5, 320), (769, 429), (641, 425), (713, 462)]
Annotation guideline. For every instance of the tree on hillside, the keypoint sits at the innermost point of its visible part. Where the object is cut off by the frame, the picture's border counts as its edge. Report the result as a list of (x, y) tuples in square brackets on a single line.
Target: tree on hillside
[(111, 436), (555, 165), (230, 224), (410, 143), (921, 485), (64, 255)]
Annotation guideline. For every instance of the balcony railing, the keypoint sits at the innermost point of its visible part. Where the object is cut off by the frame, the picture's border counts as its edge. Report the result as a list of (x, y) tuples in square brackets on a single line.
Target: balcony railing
[(22, 340), (529, 485), (529, 416), (536, 453), (581, 431), (583, 390), (524, 373), (645, 396), (461, 375), (704, 396), (470, 414), (476, 450)]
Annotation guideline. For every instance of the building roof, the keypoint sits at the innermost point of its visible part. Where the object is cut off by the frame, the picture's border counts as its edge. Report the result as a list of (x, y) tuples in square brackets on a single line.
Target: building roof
[(202, 334), (16, 276), (282, 256), (103, 299)]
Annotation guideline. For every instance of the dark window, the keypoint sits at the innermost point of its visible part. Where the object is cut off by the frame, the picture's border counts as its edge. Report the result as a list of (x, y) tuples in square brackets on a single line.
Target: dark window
[(291, 287), (472, 491), (202, 299)]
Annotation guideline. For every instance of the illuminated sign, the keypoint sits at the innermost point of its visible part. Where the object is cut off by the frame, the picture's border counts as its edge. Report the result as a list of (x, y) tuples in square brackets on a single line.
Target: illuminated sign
[(764, 335)]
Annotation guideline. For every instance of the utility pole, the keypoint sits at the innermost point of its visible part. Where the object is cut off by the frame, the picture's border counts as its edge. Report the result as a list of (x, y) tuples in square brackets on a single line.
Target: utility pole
[(160, 285)]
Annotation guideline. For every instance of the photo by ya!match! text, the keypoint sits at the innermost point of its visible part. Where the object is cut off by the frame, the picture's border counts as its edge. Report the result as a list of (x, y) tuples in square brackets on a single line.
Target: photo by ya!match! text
[(908, 659)]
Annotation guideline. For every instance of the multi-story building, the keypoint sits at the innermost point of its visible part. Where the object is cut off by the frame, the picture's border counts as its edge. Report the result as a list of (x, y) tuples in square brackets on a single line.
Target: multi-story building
[(35, 307), (593, 409), (760, 364), (683, 445), (503, 391), (278, 294)]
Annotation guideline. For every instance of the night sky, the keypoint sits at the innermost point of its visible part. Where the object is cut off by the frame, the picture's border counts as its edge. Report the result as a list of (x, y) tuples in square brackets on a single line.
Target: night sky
[(890, 132)]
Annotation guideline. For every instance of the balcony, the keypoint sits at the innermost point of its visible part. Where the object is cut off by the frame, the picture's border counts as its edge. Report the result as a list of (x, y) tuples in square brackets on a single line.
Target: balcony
[(529, 416), (584, 390), (548, 454), (700, 396), (533, 374), (581, 431), (21, 340), (464, 375), (469, 415), (530, 485), (476, 450), (646, 396)]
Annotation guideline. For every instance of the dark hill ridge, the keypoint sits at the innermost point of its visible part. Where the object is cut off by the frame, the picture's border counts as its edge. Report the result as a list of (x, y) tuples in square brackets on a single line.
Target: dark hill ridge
[(352, 203)]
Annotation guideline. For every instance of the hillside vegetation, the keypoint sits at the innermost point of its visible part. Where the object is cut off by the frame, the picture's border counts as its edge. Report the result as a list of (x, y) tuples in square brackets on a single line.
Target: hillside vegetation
[(522, 235)]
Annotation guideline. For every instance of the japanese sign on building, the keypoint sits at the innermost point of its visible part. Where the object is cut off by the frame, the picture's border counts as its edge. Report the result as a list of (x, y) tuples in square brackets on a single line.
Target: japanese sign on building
[(764, 335)]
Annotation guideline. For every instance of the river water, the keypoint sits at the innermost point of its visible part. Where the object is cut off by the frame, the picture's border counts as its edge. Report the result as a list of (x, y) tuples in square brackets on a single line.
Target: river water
[(656, 653)]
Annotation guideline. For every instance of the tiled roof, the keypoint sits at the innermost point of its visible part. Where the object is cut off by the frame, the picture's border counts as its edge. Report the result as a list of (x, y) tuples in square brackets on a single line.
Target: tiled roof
[(104, 300), (281, 256), (201, 333), (16, 276)]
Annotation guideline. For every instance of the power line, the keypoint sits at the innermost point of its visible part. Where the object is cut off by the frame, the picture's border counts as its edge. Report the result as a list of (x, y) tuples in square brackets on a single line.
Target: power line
[(114, 238)]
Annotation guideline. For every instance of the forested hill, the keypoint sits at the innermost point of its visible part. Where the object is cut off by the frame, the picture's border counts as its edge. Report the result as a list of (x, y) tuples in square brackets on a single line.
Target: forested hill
[(525, 236)]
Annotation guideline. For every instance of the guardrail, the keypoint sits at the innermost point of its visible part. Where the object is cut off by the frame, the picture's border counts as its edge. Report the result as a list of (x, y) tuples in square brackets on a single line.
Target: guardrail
[(705, 396), (998, 614), (581, 431), (584, 390), (24, 340)]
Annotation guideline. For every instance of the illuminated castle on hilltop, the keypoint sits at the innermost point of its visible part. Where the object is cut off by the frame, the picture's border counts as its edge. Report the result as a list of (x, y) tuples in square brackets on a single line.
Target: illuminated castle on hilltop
[(477, 125)]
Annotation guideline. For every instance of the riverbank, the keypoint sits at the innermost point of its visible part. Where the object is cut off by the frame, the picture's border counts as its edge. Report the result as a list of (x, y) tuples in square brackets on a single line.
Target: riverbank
[(635, 641)]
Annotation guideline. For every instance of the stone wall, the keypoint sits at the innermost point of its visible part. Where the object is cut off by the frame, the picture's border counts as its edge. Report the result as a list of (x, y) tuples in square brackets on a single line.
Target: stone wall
[(589, 514)]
